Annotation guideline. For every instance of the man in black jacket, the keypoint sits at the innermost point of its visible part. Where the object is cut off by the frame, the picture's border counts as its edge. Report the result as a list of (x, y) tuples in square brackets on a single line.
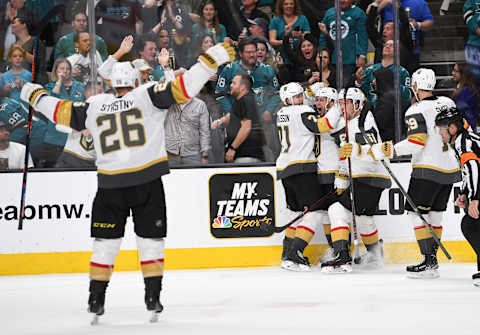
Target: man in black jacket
[(379, 33), (245, 138)]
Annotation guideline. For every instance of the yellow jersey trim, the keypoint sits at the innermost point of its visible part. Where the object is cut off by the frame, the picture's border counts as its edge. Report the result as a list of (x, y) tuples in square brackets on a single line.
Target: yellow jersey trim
[(79, 156), (139, 168), (63, 115), (425, 166), (297, 162), (371, 176), (178, 91), (327, 172)]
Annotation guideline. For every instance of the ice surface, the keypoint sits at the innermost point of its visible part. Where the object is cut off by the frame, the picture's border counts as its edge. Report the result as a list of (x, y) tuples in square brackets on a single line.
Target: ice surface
[(250, 301)]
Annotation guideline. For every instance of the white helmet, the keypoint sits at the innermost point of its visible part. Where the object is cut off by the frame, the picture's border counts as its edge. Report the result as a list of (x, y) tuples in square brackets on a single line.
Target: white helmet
[(328, 92), (356, 95), (425, 79), (309, 98), (288, 91), (124, 75), (316, 87)]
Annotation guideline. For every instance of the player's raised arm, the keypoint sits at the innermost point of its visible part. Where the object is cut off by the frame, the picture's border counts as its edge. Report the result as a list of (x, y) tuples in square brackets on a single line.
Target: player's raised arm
[(64, 112), (189, 84)]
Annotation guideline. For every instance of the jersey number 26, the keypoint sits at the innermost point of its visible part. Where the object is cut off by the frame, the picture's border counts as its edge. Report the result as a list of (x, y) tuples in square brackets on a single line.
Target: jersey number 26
[(133, 134)]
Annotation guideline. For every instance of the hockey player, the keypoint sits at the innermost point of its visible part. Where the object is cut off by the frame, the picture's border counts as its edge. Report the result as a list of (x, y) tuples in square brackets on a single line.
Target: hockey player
[(466, 146), (128, 135), (327, 159), (369, 178), (297, 167), (434, 169)]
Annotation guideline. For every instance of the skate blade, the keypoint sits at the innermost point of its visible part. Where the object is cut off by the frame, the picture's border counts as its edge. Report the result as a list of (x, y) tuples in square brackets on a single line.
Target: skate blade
[(476, 282), (154, 317), (291, 266), (428, 274), (325, 259), (95, 319), (369, 265), (346, 268)]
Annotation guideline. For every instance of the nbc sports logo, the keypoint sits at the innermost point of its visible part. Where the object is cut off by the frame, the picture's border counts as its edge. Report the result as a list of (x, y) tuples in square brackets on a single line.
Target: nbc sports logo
[(222, 222)]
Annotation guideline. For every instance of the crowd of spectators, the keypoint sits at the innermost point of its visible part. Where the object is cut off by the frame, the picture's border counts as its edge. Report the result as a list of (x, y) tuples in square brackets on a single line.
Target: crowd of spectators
[(277, 42)]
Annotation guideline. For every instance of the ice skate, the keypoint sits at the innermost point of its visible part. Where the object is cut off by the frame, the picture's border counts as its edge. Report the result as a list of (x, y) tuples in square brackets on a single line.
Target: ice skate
[(154, 306), (373, 259), (153, 286), (426, 269), (296, 262), (341, 264), (476, 279), (329, 256), (96, 302)]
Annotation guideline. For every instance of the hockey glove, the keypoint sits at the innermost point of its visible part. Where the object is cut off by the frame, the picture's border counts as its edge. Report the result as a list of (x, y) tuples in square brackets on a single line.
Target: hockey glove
[(341, 181), (380, 151), (217, 55), (31, 93), (350, 150)]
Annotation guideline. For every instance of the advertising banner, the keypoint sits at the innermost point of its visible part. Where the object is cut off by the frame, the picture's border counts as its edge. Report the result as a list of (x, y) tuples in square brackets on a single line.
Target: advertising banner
[(240, 203)]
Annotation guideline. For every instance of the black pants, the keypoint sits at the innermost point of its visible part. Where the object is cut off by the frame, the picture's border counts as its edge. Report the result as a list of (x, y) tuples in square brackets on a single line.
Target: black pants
[(471, 231)]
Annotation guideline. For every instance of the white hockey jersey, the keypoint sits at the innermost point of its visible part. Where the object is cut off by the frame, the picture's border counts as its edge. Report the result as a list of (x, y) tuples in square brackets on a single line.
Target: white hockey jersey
[(431, 159), (128, 131), (81, 147), (365, 168), (296, 126), (328, 159)]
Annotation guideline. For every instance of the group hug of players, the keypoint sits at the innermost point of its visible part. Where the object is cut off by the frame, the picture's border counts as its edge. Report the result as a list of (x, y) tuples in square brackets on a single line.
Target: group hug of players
[(325, 134)]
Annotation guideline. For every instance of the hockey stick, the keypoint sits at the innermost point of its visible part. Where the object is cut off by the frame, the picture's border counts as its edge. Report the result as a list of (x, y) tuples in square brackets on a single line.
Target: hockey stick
[(409, 199), (27, 142), (312, 207), (356, 251)]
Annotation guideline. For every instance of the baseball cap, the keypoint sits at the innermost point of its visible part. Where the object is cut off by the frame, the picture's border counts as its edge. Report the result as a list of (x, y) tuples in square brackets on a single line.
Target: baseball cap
[(259, 22), (4, 124), (141, 65)]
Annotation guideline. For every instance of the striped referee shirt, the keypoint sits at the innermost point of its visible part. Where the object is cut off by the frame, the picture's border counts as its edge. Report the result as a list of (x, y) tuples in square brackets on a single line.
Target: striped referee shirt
[(467, 151)]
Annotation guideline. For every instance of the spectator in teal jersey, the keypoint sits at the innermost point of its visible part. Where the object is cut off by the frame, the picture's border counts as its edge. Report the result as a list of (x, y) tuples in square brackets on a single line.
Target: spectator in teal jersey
[(209, 24), (63, 86), (265, 83), (45, 140), (364, 78), (288, 22), (471, 16), (354, 37), (12, 80), (265, 88), (66, 46)]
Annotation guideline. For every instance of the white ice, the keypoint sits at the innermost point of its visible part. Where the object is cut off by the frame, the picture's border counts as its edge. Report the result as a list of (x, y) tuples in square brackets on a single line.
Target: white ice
[(250, 301)]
